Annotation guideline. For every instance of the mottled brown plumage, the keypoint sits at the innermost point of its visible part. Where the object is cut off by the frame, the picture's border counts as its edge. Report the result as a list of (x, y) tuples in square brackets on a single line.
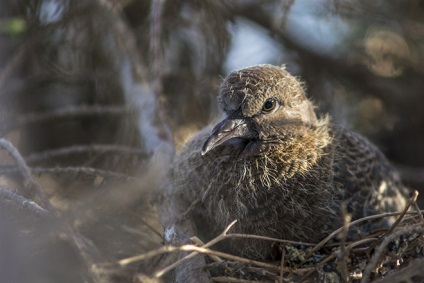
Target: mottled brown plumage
[(278, 169)]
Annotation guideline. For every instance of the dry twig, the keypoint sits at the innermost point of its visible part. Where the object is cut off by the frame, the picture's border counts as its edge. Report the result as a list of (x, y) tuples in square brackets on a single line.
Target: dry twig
[(380, 250), (342, 254), (283, 254), (367, 218)]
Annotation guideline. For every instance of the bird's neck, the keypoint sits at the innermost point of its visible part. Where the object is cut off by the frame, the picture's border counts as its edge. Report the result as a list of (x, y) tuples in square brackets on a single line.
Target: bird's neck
[(297, 153), (302, 151)]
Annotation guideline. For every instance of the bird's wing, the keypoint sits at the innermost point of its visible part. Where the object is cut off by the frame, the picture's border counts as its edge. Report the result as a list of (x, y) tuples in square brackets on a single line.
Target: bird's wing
[(370, 184)]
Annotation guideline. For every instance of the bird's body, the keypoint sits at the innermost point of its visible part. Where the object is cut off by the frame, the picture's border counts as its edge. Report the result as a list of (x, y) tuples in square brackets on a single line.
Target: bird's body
[(278, 169)]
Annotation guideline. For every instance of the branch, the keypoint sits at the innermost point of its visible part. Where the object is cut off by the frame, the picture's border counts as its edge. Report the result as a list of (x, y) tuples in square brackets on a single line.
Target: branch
[(32, 189), (379, 251), (22, 202), (91, 148), (204, 249), (70, 112), (86, 250), (89, 171), (411, 201), (337, 67), (371, 217)]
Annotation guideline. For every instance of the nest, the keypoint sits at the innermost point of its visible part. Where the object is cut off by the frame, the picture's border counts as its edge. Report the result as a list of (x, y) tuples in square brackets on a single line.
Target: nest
[(394, 254)]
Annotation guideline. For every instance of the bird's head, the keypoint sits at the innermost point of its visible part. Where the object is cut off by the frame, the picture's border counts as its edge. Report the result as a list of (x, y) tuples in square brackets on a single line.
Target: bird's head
[(262, 104)]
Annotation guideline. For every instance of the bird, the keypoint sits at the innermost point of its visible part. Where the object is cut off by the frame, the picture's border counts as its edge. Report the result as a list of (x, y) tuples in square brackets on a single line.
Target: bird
[(279, 169)]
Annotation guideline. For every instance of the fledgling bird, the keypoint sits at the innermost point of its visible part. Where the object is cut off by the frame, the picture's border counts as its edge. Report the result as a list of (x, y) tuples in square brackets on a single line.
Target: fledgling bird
[(278, 169)]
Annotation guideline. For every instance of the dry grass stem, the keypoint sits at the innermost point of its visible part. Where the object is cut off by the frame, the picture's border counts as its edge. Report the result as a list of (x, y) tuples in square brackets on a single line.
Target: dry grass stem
[(371, 217), (234, 280), (342, 254), (210, 243), (200, 243), (283, 254), (249, 236), (412, 200)]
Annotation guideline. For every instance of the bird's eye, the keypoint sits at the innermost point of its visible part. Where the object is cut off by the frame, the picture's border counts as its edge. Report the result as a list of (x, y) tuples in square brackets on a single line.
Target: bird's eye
[(269, 105)]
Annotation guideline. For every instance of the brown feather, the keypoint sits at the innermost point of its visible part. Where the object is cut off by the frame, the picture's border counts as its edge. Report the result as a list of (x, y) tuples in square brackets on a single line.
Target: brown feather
[(290, 180)]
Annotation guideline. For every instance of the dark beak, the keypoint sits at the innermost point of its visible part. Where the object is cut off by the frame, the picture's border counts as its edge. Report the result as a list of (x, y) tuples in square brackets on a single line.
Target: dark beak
[(230, 127)]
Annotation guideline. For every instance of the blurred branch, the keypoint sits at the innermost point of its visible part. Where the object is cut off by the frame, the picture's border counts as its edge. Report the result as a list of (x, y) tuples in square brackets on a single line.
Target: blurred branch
[(339, 68), (155, 45), (77, 149), (22, 202), (71, 112), (32, 188), (89, 171), (86, 249)]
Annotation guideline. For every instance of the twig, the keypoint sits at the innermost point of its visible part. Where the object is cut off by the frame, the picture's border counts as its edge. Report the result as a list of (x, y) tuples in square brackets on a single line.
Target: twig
[(283, 254), (411, 201), (285, 7), (53, 153), (378, 252), (70, 112), (357, 221), (197, 250), (413, 269), (162, 250), (84, 247), (234, 280), (250, 236), (232, 265), (361, 242), (335, 66), (342, 255), (33, 190), (8, 194), (333, 255), (192, 206), (72, 170), (224, 255), (22, 167), (200, 243), (155, 44), (324, 241), (417, 208), (205, 250), (210, 243), (148, 225)]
